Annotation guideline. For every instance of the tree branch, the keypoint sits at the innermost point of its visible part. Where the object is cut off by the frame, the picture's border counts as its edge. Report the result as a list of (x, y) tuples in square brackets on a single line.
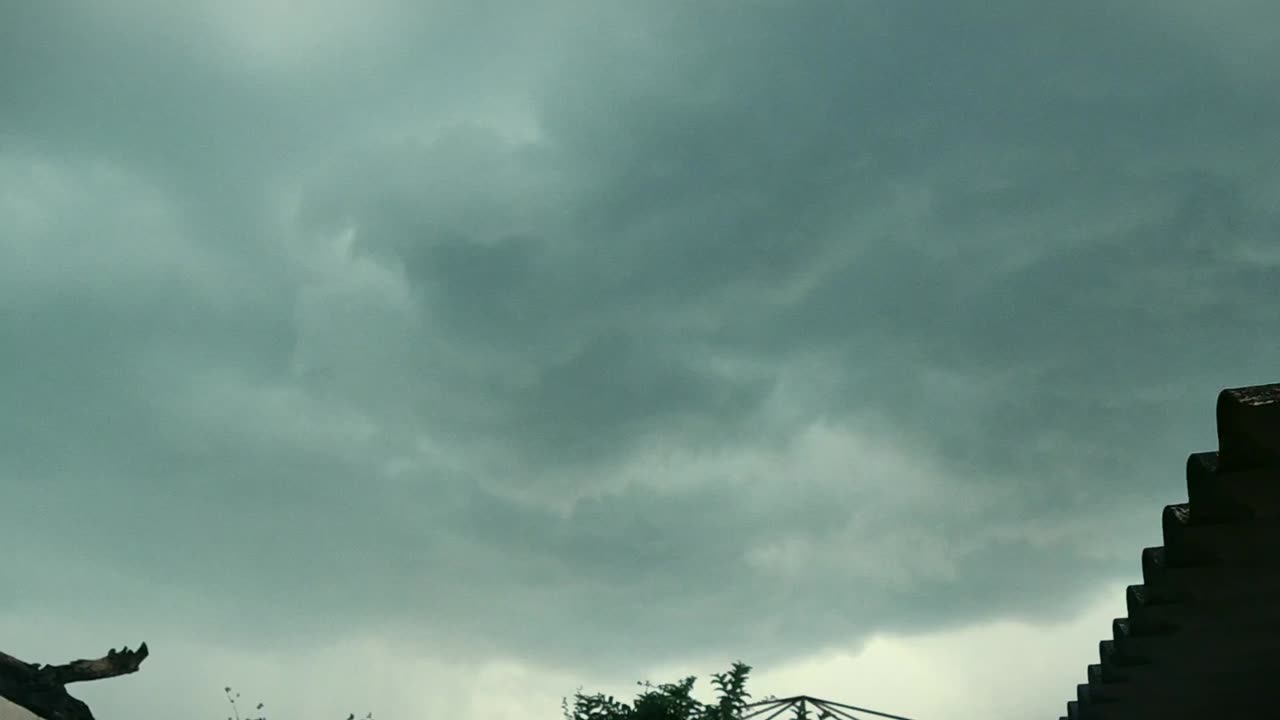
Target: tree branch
[(41, 689)]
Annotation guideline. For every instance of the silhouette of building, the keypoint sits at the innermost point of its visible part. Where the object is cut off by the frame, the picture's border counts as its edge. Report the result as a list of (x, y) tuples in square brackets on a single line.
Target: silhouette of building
[(1202, 636)]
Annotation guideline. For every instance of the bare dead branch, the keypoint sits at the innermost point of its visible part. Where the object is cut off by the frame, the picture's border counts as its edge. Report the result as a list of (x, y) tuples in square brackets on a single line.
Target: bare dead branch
[(42, 689)]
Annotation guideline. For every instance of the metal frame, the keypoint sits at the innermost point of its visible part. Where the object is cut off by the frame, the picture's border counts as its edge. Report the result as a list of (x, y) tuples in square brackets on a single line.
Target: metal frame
[(801, 705)]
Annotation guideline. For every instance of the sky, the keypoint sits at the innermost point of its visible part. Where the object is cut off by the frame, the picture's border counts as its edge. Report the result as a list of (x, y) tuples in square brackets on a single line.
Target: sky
[(440, 358)]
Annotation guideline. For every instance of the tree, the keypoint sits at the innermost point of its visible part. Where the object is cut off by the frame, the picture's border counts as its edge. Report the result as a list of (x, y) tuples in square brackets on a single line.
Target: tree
[(670, 701), (42, 690)]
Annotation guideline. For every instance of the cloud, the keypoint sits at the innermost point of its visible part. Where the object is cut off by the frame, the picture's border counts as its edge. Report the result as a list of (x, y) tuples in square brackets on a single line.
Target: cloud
[(607, 337)]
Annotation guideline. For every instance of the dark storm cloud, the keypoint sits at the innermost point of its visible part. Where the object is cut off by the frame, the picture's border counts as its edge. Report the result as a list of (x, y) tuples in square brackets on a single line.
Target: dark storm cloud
[(722, 166), (1011, 251)]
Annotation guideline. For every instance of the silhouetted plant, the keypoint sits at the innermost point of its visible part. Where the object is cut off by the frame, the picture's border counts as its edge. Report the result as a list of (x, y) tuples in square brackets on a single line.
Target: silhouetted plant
[(236, 710), (669, 701)]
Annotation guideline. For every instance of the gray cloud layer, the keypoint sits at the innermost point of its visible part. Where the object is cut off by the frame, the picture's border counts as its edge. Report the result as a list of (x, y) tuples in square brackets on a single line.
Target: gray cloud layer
[(607, 336)]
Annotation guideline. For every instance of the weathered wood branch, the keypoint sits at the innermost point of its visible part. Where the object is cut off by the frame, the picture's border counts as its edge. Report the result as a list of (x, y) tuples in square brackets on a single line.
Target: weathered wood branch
[(42, 689)]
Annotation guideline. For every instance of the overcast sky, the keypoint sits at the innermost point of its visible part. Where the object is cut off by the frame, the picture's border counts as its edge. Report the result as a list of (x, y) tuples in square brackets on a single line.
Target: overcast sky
[(437, 358)]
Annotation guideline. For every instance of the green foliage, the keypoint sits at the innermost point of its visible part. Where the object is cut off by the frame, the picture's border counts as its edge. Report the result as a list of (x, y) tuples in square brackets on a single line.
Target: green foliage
[(670, 701)]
